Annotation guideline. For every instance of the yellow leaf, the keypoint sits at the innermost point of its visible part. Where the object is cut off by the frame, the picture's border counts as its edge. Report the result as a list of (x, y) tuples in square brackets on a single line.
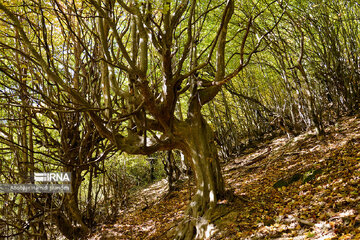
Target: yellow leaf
[(346, 237)]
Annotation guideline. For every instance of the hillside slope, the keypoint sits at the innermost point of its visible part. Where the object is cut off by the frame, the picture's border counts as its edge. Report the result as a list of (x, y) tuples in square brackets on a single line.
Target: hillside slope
[(306, 187)]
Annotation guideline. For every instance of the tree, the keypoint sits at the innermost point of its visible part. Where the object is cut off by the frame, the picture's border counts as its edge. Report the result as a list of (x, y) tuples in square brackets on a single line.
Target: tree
[(40, 125), (149, 55)]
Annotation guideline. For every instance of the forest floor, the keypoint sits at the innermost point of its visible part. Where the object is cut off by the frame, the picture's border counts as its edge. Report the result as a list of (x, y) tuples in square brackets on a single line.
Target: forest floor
[(306, 187)]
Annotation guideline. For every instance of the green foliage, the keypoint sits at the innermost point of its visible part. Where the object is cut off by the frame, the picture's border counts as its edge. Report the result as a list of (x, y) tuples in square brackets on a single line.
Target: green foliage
[(139, 168)]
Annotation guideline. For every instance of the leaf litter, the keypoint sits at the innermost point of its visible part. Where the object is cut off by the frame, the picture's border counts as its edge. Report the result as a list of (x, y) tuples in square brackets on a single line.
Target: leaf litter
[(317, 195)]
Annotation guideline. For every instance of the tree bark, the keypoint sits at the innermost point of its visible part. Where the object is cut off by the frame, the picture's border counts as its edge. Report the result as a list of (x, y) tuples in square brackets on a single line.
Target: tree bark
[(70, 220), (201, 151)]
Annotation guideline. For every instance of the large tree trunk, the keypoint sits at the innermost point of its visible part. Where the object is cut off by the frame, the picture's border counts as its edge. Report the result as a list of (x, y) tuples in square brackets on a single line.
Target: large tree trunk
[(69, 218), (201, 151), (67, 228)]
